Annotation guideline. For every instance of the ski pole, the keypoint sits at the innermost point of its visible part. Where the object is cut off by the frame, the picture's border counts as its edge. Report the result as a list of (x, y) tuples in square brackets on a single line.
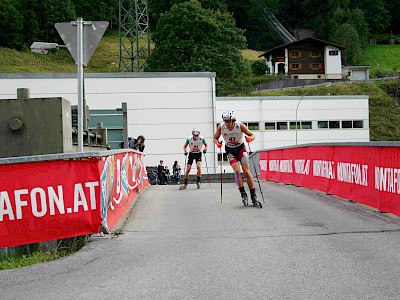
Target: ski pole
[(208, 174), (255, 171), (185, 165), (220, 152)]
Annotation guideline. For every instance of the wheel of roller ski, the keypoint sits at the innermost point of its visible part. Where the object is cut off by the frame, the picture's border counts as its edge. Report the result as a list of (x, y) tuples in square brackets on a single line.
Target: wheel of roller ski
[(257, 204), (245, 202)]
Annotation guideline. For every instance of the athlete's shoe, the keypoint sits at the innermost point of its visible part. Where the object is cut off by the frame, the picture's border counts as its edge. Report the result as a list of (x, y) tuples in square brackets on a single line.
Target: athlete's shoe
[(245, 199), (183, 186), (198, 184), (254, 199)]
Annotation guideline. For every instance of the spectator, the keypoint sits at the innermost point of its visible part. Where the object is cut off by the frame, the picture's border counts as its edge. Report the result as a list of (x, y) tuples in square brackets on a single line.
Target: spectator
[(122, 144), (168, 174), (137, 144), (176, 169), (161, 172)]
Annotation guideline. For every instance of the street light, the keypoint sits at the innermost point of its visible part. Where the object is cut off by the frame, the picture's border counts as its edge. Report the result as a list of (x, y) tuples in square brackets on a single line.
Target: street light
[(43, 48), (301, 98)]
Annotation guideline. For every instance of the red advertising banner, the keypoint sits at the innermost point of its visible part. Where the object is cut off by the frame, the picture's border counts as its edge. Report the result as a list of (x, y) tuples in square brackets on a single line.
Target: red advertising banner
[(366, 174), (42, 201), (122, 177)]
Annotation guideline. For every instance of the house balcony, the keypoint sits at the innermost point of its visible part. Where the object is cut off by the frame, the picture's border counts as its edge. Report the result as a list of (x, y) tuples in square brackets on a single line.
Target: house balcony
[(279, 59)]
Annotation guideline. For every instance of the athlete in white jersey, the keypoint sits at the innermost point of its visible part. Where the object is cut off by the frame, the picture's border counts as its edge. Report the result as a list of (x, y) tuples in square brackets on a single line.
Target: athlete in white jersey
[(195, 143), (233, 132)]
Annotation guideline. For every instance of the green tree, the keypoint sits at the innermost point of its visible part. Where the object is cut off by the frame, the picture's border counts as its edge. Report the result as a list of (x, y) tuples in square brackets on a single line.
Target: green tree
[(393, 7), (98, 10), (347, 36), (193, 39), (158, 7), (250, 16), (375, 12), (11, 25)]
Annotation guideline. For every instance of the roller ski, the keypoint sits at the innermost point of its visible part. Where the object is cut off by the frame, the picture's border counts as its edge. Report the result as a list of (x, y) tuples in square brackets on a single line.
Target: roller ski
[(255, 201), (198, 182), (245, 199), (183, 186)]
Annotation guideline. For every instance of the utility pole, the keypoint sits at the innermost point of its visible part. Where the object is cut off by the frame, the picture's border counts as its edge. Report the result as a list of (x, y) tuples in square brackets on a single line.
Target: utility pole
[(134, 35)]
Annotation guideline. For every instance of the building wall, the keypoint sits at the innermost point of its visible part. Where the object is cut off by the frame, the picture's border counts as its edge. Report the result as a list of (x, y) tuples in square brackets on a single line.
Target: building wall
[(164, 107), (312, 109), (333, 63)]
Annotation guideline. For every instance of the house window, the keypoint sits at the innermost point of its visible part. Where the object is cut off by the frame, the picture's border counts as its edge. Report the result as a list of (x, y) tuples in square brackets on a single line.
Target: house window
[(315, 66), (358, 124), (306, 125), (292, 125), (295, 66), (347, 124), (301, 125), (314, 54), (334, 124), (322, 124), (253, 126), (269, 125), (225, 158), (296, 77), (295, 54), (333, 52), (281, 126)]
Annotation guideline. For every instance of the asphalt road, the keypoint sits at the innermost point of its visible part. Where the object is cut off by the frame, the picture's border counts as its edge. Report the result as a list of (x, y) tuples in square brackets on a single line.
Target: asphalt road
[(187, 245)]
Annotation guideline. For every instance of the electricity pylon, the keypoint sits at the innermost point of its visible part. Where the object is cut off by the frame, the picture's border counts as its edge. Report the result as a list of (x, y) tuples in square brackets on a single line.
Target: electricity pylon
[(134, 35)]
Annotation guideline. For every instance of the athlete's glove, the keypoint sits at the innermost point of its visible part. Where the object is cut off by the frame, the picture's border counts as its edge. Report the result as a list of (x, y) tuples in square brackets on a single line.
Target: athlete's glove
[(219, 145), (205, 151), (248, 139), (185, 153)]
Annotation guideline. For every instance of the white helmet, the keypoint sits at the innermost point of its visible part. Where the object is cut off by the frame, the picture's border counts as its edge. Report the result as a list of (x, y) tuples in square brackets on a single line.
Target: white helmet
[(228, 114), (195, 131)]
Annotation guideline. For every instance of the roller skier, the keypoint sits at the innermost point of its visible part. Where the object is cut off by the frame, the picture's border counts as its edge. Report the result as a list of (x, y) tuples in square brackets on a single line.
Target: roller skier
[(233, 133), (195, 143)]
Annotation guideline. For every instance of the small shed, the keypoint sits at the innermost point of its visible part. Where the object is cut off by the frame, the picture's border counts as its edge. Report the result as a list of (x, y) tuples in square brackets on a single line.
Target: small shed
[(355, 73)]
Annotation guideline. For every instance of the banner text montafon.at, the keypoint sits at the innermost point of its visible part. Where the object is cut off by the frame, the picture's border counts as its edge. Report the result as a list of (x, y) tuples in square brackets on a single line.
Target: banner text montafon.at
[(48, 200)]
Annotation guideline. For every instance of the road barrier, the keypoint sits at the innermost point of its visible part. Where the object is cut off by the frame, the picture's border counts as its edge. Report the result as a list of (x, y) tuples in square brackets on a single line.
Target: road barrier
[(58, 196), (367, 173)]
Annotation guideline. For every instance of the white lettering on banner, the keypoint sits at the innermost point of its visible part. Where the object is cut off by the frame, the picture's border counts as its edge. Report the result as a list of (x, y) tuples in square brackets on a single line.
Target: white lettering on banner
[(352, 173), (42, 201), (274, 165), (34, 202), (91, 186), (5, 207), (57, 199), (387, 180), (286, 166), (302, 166), (19, 202), (323, 168), (263, 165)]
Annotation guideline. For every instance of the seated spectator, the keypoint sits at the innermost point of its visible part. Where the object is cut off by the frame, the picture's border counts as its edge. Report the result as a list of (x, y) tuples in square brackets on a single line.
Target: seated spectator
[(161, 173), (167, 174), (137, 144)]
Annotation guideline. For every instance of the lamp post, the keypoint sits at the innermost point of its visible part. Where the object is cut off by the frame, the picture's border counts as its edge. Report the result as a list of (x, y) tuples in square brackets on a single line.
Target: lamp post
[(301, 98)]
